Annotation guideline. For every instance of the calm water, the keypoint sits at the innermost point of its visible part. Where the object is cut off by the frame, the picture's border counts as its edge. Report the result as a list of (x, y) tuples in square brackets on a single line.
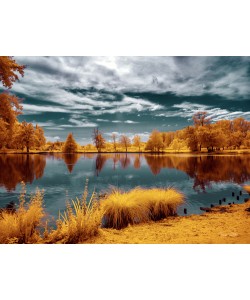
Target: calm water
[(203, 179)]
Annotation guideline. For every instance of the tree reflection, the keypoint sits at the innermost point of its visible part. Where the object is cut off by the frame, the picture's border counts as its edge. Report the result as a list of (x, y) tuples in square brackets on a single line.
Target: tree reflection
[(70, 160), (16, 168), (124, 161), (99, 163), (204, 169)]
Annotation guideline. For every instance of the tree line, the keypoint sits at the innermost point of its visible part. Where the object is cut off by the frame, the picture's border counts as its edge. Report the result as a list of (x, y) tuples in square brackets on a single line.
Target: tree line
[(220, 135), (15, 134)]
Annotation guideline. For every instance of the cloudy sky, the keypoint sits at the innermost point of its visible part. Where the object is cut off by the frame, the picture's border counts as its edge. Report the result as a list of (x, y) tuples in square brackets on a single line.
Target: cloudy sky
[(130, 94)]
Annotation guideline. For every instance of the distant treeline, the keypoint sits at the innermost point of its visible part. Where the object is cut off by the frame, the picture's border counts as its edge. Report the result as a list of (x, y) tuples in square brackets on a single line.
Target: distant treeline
[(220, 135)]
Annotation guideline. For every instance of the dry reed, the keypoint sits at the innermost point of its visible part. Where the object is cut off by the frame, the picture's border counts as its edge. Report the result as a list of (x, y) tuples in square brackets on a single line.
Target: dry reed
[(79, 222), (139, 205), (22, 225)]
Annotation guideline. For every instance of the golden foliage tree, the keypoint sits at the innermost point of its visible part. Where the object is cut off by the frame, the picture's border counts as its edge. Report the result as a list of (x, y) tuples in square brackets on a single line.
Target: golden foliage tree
[(137, 142), (70, 145), (155, 142), (9, 69)]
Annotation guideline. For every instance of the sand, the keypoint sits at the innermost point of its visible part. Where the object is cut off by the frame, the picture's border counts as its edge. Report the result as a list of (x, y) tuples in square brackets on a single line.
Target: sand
[(223, 225)]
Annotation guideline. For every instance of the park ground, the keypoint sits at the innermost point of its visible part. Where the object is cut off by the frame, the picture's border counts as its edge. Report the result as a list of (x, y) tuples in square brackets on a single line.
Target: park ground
[(223, 225)]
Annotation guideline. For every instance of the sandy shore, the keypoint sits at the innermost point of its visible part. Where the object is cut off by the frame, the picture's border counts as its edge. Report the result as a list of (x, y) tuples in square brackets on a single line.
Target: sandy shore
[(224, 225)]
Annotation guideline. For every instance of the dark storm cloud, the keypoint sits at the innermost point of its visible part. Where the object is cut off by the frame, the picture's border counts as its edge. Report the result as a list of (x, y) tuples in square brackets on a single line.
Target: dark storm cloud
[(134, 94)]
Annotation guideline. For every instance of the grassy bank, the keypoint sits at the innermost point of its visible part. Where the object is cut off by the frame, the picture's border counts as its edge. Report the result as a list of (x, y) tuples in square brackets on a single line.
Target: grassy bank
[(83, 218), (224, 225)]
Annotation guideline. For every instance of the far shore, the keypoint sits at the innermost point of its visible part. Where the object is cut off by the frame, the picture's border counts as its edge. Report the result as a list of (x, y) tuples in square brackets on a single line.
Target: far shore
[(203, 152)]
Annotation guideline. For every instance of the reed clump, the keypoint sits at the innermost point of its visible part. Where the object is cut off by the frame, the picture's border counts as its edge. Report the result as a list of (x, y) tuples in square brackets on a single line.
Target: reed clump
[(121, 208), (21, 225), (139, 205), (247, 188), (162, 202), (79, 222)]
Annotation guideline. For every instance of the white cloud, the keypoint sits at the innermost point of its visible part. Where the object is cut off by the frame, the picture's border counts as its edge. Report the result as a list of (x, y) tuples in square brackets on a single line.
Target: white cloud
[(130, 122), (51, 76), (187, 110), (79, 123)]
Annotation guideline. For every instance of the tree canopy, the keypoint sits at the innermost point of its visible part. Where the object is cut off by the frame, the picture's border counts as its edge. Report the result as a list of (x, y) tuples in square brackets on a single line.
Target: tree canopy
[(9, 70)]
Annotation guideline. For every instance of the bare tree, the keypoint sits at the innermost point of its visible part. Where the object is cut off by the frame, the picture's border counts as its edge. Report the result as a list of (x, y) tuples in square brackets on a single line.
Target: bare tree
[(114, 140), (125, 142), (137, 142), (98, 139)]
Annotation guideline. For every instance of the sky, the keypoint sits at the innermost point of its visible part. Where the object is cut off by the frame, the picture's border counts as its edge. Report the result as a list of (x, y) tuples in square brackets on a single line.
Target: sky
[(129, 95)]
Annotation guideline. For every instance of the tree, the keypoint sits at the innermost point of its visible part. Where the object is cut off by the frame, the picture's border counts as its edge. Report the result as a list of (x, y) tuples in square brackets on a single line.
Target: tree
[(27, 135), (70, 145), (8, 71), (98, 139), (191, 138), (155, 142), (114, 140), (177, 144), (167, 138), (125, 142), (137, 141), (40, 139), (200, 118), (3, 134), (10, 108)]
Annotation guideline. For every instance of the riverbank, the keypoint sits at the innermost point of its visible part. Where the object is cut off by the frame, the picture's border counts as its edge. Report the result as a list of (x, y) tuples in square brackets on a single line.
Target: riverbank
[(223, 225), (203, 152)]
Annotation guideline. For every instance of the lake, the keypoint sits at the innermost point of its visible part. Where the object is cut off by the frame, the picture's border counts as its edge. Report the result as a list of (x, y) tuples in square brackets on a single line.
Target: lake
[(204, 179)]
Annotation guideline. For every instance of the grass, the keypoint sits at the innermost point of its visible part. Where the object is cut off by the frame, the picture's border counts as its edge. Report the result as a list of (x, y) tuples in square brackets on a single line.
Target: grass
[(162, 202), (247, 188), (139, 205), (122, 208), (22, 225), (79, 222), (82, 217)]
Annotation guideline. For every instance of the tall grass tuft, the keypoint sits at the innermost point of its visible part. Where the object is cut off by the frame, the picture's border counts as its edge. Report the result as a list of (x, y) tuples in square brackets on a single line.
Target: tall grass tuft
[(139, 205), (22, 225), (79, 222), (162, 202), (247, 188), (121, 208)]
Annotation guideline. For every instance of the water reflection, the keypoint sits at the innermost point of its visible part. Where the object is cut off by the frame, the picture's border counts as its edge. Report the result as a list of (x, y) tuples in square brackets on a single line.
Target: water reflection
[(17, 168), (202, 169)]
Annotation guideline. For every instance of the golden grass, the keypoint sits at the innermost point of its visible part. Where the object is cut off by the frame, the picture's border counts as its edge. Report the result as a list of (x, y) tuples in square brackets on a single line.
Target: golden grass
[(247, 188), (139, 205), (122, 208), (163, 202), (83, 218), (22, 225), (79, 222)]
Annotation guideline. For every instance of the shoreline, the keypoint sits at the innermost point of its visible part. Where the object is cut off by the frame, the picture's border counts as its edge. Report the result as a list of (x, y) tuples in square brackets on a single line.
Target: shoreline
[(228, 224), (243, 151)]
